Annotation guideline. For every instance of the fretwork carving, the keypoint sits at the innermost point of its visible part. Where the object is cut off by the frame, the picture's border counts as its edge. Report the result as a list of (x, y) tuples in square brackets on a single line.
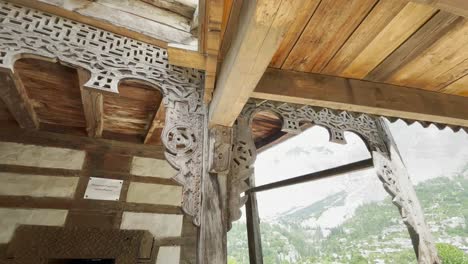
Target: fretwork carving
[(182, 136), (336, 122), (394, 176), (111, 58), (243, 157), (387, 161)]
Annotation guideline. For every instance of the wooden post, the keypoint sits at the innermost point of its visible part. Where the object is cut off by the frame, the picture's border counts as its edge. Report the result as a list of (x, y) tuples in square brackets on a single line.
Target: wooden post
[(253, 227), (212, 245), (93, 106), (395, 178), (14, 95)]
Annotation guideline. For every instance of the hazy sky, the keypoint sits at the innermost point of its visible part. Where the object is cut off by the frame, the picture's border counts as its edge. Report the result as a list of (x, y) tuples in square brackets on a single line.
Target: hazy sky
[(427, 152)]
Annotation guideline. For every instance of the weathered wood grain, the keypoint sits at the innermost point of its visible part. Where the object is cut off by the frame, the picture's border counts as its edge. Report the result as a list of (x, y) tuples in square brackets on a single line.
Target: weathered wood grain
[(294, 32), (16, 100), (328, 29), (81, 143), (92, 106), (362, 96), (440, 64), (410, 19), (456, 7), (54, 92), (434, 30), (380, 16), (186, 58), (459, 87), (132, 111), (248, 58)]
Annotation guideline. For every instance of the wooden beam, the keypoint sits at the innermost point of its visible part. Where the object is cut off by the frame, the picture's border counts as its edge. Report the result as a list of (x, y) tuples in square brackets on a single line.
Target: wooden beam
[(457, 7), (212, 40), (159, 121), (362, 96), (262, 25), (15, 97), (42, 138), (186, 58), (93, 106), (348, 168)]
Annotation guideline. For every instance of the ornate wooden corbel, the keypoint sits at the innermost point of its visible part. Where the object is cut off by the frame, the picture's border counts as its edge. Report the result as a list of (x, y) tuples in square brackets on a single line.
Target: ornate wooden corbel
[(395, 178), (219, 149)]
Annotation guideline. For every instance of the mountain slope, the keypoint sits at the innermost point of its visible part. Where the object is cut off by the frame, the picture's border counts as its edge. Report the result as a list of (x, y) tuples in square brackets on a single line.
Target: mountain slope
[(373, 234)]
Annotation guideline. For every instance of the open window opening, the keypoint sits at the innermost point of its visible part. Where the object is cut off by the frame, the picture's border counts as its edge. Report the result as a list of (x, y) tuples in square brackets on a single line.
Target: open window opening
[(350, 218)]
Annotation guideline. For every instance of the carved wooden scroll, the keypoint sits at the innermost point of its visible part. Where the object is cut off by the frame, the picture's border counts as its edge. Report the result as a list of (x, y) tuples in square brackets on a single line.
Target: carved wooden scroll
[(243, 157), (395, 178), (372, 130), (110, 58)]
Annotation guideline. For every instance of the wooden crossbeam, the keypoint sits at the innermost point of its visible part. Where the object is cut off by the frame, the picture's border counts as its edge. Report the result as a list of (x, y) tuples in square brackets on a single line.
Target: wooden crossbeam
[(93, 106), (348, 168), (14, 95), (362, 96), (158, 122), (260, 31)]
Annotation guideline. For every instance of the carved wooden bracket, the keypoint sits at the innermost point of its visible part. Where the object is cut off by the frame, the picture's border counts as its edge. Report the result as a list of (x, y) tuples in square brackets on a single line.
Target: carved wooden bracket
[(396, 181), (372, 130), (219, 153), (111, 58)]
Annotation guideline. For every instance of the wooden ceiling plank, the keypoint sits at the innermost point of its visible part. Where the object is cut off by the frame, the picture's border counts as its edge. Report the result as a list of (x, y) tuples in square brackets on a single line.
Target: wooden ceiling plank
[(331, 25), (427, 35), (457, 7), (173, 6), (292, 35), (380, 16), (16, 99), (459, 87), (398, 30), (93, 106), (248, 57), (158, 122), (362, 96), (443, 62), (90, 20)]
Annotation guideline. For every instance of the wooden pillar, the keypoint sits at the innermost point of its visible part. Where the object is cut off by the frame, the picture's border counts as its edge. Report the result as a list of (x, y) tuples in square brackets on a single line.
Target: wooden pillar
[(212, 246), (15, 97), (253, 227), (395, 178)]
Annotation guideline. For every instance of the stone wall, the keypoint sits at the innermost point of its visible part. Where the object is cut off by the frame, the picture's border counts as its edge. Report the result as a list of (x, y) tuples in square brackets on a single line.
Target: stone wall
[(43, 183)]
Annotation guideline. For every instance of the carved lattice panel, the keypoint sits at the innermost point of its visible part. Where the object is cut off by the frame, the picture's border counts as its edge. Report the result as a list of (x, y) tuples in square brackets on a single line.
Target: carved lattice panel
[(111, 58)]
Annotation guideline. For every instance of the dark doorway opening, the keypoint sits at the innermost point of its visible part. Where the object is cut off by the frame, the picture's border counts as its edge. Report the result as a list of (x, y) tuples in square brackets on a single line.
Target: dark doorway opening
[(82, 261)]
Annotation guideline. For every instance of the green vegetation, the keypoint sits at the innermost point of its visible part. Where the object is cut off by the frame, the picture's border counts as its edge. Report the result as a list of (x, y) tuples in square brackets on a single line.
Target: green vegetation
[(451, 255), (374, 234)]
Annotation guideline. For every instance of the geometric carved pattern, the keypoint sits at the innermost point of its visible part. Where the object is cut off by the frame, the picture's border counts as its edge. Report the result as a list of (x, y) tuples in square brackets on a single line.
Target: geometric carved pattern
[(243, 157), (293, 116), (396, 181), (183, 136), (387, 161), (111, 58), (336, 122)]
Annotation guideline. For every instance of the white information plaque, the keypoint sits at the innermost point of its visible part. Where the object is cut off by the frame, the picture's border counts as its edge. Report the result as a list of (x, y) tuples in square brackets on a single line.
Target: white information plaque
[(103, 189)]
